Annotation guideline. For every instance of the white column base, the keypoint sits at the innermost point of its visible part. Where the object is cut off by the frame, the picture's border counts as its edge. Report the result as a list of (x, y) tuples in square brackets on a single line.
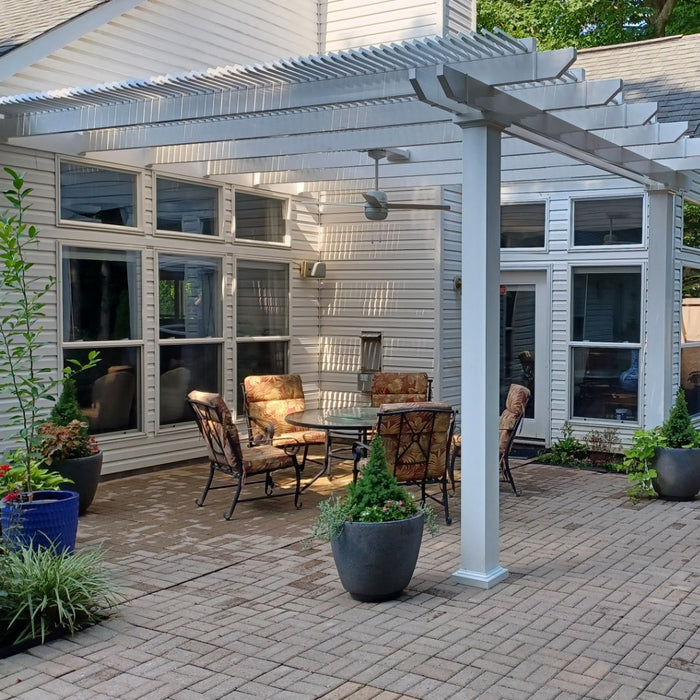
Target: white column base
[(479, 579)]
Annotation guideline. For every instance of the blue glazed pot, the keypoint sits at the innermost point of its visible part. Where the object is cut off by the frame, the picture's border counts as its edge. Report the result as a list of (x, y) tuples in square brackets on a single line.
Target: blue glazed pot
[(50, 518), (375, 561)]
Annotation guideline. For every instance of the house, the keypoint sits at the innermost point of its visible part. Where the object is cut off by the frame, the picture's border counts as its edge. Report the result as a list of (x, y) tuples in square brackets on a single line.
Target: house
[(183, 209)]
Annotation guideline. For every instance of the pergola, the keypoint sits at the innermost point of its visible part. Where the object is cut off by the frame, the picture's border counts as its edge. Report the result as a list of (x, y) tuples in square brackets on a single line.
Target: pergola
[(309, 122)]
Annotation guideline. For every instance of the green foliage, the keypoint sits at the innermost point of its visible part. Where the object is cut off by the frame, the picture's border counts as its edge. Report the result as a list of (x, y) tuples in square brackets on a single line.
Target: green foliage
[(67, 408), (567, 450), (582, 23), (691, 233), (375, 497), (678, 429), (44, 591), (22, 350), (61, 442), (638, 459), (13, 480)]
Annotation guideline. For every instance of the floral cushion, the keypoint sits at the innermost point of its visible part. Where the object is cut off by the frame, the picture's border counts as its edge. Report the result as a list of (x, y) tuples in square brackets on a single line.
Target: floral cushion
[(399, 387), (270, 398), (516, 401), (414, 447)]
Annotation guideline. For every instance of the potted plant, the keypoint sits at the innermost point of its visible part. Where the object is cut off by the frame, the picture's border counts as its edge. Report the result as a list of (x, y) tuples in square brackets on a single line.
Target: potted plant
[(67, 446), (666, 459), (29, 516), (375, 531)]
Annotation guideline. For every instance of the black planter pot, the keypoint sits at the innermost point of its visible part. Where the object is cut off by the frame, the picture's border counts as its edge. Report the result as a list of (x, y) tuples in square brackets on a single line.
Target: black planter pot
[(678, 473), (85, 474), (375, 561)]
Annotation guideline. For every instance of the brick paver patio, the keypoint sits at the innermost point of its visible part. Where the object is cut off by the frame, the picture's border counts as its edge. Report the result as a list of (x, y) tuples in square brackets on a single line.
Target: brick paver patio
[(603, 601)]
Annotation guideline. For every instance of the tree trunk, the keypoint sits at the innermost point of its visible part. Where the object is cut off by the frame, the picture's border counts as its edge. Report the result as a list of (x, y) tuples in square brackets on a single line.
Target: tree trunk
[(663, 9)]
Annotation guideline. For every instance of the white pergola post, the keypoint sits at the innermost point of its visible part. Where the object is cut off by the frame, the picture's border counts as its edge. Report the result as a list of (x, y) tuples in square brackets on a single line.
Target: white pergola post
[(658, 352), (481, 202)]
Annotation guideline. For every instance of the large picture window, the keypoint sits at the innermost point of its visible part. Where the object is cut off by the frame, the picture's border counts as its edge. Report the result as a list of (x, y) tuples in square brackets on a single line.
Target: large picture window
[(523, 225), (609, 221), (690, 338), (260, 218), (190, 318), (186, 207), (262, 312), (101, 300), (605, 335), (97, 195)]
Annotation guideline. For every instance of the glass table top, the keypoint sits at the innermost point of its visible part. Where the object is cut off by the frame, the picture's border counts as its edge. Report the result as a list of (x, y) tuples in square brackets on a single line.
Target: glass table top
[(351, 418)]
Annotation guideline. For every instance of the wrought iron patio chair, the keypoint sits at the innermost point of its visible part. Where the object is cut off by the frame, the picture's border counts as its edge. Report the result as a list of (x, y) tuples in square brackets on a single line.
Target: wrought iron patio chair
[(508, 426), (267, 400), (417, 437), (228, 456)]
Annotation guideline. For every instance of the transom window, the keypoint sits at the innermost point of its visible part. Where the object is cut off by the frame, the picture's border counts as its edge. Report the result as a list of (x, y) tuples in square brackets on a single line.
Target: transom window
[(605, 335), (186, 207), (260, 218), (523, 225), (608, 221), (97, 195)]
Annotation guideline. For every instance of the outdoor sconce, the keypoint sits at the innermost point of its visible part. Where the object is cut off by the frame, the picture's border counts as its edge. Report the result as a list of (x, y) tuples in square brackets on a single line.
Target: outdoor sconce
[(457, 284), (309, 268)]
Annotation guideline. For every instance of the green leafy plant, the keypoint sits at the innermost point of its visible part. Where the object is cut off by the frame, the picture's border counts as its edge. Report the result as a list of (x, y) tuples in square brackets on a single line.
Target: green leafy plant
[(44, 591), (678, 429), (568, 450), (375, 497), (637, 463), (23, 374), (67, 408), (13, 480), (61, 442)]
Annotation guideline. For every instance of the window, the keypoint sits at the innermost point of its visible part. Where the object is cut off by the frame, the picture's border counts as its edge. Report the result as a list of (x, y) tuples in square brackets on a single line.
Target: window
[(102, 311), (262, 312), (190, 318), (523, 225), (690, 338), (97, 195), (605, 334), (260, 218), (691, 224), (186, 207), (608, 221)]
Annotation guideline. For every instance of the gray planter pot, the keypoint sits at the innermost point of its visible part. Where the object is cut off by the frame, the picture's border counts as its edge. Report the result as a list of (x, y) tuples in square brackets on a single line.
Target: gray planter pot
[(375, 561), (85, 473), (678, 473)]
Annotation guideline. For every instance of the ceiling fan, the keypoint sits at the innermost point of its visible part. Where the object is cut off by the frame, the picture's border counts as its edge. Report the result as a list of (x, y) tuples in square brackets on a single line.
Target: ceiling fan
[(376, 203)]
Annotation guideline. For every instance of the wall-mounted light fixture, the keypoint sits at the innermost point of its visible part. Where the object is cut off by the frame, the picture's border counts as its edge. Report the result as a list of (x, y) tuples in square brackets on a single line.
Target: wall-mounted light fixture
[(309, 268), (457, 283)]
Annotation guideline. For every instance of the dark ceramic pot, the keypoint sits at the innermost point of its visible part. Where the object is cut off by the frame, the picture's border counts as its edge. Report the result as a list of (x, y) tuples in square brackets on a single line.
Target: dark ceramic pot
[(677, 473), (375, 561), (49, 519), (84, 472)]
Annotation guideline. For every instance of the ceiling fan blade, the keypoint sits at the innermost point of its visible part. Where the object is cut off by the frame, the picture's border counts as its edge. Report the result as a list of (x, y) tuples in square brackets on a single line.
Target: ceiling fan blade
[(375, 198), (408, 205)]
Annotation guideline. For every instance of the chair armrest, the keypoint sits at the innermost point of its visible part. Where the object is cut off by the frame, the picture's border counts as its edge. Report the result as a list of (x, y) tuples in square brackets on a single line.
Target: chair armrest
[(359, 450)]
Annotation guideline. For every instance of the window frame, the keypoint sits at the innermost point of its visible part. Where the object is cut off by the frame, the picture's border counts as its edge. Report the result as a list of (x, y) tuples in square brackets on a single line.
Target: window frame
[(219, 188), (607, 246), (286, 219), (545, 233), (695, 265)]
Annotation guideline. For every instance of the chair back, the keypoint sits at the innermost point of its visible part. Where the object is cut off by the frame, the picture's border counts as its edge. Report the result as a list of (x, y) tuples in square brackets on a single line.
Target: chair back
[(216, 426), (112, 400), (512, 416), (416, 438), (399, 387), (269, 399)]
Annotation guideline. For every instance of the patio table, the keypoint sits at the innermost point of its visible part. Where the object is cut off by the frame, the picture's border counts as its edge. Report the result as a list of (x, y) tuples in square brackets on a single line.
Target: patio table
[(346, 421)]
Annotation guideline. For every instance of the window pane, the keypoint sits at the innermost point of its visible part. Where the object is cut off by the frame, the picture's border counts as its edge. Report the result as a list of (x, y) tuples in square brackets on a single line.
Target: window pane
[(262, 299), (98, 195), (109, 394), (266, 357), (690, 308), (691, 224), (189, 291), (605, 383), (608, 221), (522, 225), (690, 377), (259, 218), (183, 368), (606, 306), (186, 207), (101, 294)]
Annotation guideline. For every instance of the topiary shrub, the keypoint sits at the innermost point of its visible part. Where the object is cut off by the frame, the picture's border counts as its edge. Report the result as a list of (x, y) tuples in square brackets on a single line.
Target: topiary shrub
[(67, 408), (678, 429)]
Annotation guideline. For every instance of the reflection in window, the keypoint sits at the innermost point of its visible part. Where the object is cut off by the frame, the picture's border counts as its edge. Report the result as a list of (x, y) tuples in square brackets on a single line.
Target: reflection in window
[(186, 207), (190, 308), (523, 225), (691, 224), (260, 218), (606, 309), (97, 195), (608, 221), (690, 338), (262, 312), (101, 294), (109, 392)]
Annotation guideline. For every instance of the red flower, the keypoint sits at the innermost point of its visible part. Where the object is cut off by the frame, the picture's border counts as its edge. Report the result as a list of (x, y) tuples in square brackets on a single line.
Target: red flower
[(11, 497), (4, 468)]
